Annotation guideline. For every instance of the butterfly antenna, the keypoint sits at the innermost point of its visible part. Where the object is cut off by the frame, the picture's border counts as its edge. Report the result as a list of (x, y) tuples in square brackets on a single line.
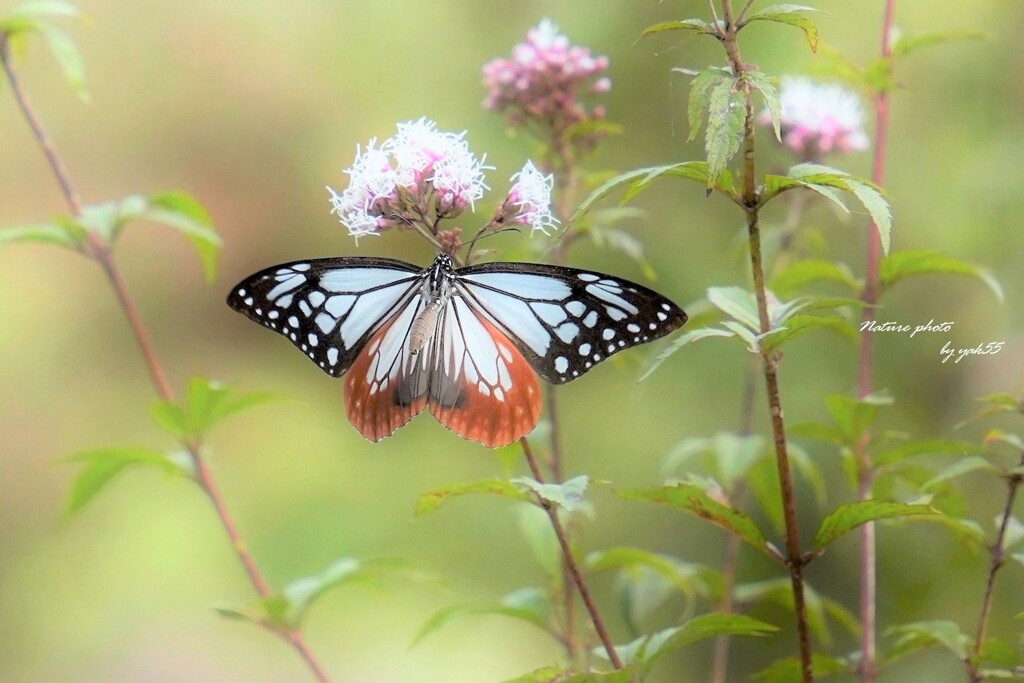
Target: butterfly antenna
[(484, 232)]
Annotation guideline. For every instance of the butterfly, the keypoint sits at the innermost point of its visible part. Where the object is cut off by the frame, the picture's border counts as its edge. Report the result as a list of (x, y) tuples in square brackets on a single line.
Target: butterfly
[(469, 343)]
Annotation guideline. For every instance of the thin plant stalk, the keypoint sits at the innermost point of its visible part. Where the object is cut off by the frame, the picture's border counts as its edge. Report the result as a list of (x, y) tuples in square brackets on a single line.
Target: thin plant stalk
[(997, 557), (720, 658), (570, 560), (102, 255), (865, 469), (794, 558)]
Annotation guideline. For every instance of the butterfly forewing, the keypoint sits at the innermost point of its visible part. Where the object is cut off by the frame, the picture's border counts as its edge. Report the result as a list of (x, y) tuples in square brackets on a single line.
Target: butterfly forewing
[(566, 321), (328, 307)]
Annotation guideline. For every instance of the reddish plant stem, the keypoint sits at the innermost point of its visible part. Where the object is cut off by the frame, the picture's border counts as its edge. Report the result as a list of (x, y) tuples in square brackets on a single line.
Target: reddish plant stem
[(997, 557), (99, 252), (868, 668), (794, 558), (570, 560)]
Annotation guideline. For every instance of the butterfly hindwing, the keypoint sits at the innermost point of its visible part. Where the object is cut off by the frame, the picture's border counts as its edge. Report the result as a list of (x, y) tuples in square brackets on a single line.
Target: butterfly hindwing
[(565, 321), (481, 387), (327, 307), (387, 383)]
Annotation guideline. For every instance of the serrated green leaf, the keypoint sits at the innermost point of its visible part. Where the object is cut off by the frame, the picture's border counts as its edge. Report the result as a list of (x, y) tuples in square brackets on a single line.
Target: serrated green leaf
[(172, 418), (700, 95), (819, 608), (238, 613), (526, 604), (567, 495), (960, 467), (44, 233), (647, 650), (432, 500), (68, 57), (903, 264), (180, 211), (770, 95), (45, 8), (624, 243), (849, 516), (540, 538), (907, 44), (688, 579), (790, 670), (695, 25), (726, 117), (878, 208), (775, 184), (797, 326), (789, 14), (679, 342), (922, 634), (798, 275), (553, 674), (101, 465), (914, 449), (817, 430), (693, 170), (737, 303), (694, 499), (300, 594)]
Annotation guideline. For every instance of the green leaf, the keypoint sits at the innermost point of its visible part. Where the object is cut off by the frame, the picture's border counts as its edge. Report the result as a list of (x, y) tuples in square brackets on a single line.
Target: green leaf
[(101, 465), (679, 342), (208, 402), (552, 674), (915, 449), (44, 233), (903, 264), (649, 649), (818, 178), (779, 591), (180, 211), (432, 500), (686, 578), (301, 594), (696, 500), (877, 207), (567, 495), (797, 326), (907, 44), (1000, 652), (695, 25), (853, 416), (624, 243), (238, 613), (726, 116), (789, 14), (960, 467), (789, 670), (700, 96), (44, 8), (526, 604), (64, 50), (540, 537), (849, 516), (923, 634), (738, 304), (770, 94), (642, 177), (817, 430), (798, 275), (172, 418)]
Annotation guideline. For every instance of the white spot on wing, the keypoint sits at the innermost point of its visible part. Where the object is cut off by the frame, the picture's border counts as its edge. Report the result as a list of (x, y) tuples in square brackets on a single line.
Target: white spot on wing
[(567, 332), (591, 319), (577, 308), (561, 364)]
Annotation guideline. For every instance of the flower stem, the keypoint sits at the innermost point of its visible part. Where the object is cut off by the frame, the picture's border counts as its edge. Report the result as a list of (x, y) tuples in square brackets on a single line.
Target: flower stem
[(99, 252), (794, 559), (570, 560), (865, 468), (997, 557)]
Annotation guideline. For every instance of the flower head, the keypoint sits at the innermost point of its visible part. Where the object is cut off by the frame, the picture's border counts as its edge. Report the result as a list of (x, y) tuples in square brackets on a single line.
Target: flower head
[(529, 200), (545, 80), (818, 119), (420, 167)]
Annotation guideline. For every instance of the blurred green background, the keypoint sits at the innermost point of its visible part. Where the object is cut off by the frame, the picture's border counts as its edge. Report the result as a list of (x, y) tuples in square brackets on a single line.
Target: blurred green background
[(254, 107)]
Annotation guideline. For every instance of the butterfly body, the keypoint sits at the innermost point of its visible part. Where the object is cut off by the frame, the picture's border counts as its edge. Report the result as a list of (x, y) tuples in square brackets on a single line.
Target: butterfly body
[(468, 342)]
